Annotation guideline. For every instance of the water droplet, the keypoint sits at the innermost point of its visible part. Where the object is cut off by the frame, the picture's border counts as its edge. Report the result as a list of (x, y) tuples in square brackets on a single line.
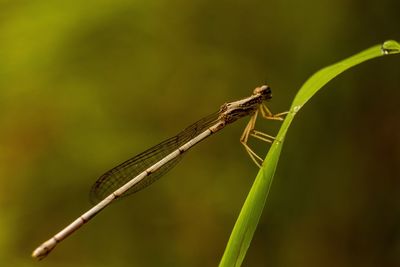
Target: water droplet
[(296, 108), (390, 47), (278, 142)]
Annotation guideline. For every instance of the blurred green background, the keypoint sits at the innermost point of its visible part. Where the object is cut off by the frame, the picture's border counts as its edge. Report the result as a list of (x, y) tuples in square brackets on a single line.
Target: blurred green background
[(85, 85)]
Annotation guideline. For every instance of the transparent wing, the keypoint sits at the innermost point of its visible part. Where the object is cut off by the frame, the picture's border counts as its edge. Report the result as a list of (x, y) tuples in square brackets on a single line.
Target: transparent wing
[(121, 174)]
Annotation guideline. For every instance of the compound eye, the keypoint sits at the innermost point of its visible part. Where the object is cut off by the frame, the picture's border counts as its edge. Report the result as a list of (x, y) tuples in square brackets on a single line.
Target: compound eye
[(262, 90)]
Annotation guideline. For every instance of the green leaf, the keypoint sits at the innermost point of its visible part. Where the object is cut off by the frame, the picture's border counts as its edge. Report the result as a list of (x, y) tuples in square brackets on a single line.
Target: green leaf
[(250, 214)]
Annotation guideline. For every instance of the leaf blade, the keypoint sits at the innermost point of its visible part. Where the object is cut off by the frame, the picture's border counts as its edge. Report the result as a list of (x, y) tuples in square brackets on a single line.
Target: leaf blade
[(251, 211)]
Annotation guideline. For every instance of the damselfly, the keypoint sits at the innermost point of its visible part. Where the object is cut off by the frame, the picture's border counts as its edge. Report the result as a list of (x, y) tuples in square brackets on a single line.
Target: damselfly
[(143, 169)]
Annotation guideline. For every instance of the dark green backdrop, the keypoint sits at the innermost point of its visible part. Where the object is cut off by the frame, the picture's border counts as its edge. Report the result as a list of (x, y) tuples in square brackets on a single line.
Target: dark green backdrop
[(85, 85)]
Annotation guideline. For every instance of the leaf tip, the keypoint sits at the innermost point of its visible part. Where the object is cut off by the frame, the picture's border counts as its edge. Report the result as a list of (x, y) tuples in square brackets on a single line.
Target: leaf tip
[(390, 47)]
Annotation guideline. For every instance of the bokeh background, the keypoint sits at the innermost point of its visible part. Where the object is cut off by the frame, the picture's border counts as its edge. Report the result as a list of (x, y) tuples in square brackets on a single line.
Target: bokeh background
[(85, 85)]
